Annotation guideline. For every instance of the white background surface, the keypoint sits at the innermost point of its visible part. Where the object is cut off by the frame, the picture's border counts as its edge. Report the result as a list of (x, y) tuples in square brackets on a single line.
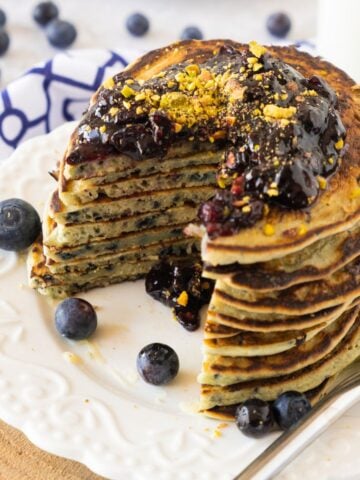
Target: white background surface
[(101, 24)]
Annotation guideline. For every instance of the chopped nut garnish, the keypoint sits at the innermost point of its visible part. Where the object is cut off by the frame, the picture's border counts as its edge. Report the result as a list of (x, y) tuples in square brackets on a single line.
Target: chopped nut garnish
[(339, 144), (257, 66), (274, 111), (192, 70), (140, 96), (109, 83), (127, 91), (302, 230), (322, 182), (113, 111), (102, 129), (268, 230), (246, 209), (355, 193), (272, 192), (183, 299), (256, 49)]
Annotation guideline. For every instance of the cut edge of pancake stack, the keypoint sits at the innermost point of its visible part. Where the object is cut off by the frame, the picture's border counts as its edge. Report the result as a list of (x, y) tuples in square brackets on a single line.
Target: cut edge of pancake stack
[(284, 313), (111, 227)]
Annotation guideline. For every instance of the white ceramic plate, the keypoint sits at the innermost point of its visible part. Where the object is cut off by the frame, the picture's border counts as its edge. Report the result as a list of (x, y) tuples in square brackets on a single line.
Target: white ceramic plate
[(98, 411)]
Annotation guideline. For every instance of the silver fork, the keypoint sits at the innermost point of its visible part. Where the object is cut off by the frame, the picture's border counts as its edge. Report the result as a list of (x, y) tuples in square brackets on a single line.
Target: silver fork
[(345, 392)]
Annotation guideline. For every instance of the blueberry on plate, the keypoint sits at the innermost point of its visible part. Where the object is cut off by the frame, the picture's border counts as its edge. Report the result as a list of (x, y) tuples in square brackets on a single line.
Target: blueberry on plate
[(61, 34), (44, 12), (4, 42), (191, 33), (157, 363), (289, 408), (20, 224), (75, 319), (2, 18), (254, 418), (278, 24), (137, 24)]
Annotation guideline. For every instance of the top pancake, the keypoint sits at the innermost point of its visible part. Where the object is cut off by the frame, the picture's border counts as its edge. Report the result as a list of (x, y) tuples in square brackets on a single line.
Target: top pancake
[(338, 206)]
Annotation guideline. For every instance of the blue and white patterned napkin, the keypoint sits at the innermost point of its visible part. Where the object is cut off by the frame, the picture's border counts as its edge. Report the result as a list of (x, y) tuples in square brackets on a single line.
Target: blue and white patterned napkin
[(52, 93)]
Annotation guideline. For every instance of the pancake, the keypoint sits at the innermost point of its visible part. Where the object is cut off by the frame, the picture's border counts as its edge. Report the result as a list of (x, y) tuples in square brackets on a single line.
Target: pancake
[(250, 344), (304, 379), (223, 370), (224, 314), (320, 259), (340, 287), (178, 177), (107, 209), (115, 245), (153, 251), (60, 286), (70, 235)]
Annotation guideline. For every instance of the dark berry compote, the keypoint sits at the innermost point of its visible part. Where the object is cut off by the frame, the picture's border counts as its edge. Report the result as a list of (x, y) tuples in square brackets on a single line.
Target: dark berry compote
[(179, 285)]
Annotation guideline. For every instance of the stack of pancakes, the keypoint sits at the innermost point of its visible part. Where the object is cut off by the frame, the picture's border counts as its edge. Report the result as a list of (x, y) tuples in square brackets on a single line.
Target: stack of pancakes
[(284, 312), (284, 324), (113, 223)]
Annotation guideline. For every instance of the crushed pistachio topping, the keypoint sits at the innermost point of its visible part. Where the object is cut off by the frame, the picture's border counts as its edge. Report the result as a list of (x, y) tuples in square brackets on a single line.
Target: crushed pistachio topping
[(109, 83), (302, 230), (355, 193), (268, 229), (322, 182), (183, 299), (273, 111), (257, 50), (127, 91), (339, 144)]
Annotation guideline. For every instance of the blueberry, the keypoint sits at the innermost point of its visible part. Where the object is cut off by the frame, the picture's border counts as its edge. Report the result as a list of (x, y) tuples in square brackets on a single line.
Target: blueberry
[(61, 34), (44, 12), (289, 408), (19, 224), (2, 18), (254, 418), (75, 319), (191, 33), (157, 363), (137, 24), (4, 42), (278, 24)]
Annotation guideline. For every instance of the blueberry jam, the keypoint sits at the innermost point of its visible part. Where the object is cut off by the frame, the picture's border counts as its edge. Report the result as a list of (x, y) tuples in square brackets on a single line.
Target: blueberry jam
[(280, 132), (178, 284)]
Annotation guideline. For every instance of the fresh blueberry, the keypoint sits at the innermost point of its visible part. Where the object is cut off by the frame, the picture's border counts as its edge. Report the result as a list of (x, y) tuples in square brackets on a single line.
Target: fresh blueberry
[(4, 42), (278, 24), (19, 224), (254, 418), (75, 319), (61, 34), (2, 18), (157, 363), (191, 33), (44, 12), (137, 24), (289, 408)]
